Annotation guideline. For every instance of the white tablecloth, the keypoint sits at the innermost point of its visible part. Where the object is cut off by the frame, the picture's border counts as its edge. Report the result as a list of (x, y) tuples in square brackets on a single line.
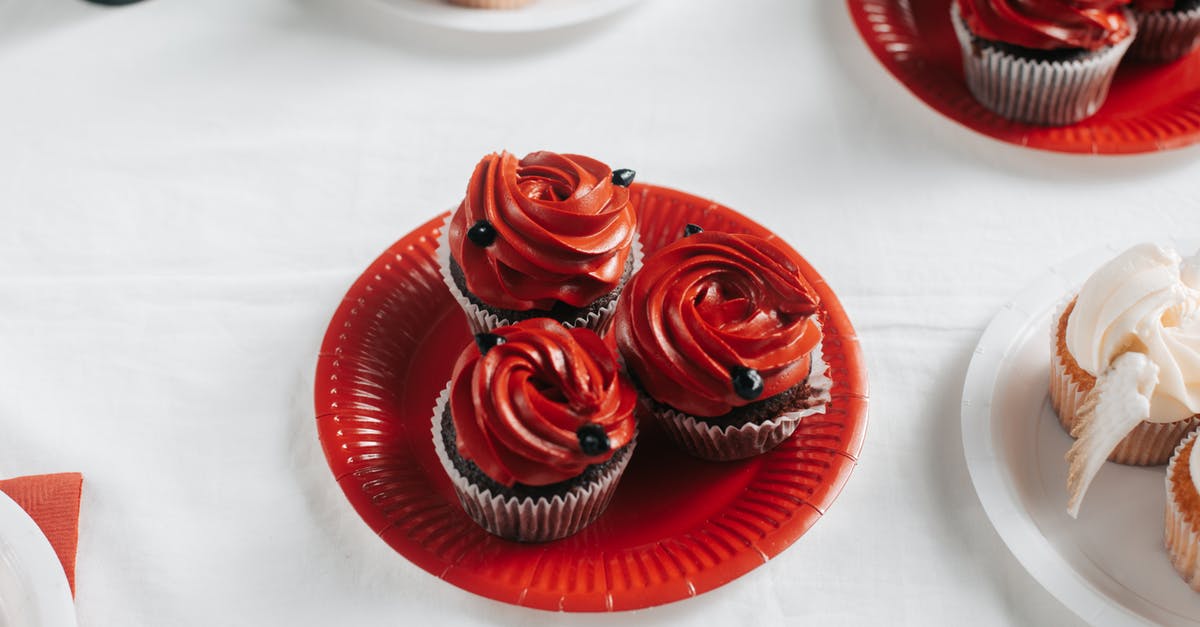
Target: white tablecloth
[(189, 187)]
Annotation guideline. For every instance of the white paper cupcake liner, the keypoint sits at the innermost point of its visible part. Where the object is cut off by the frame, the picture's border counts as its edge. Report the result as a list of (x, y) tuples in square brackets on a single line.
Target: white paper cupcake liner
[(1180, 537), (1149, 444), (530, 519), (728, 443), (483, 321), (1165, 35), (1051, 93), (1065, 394)]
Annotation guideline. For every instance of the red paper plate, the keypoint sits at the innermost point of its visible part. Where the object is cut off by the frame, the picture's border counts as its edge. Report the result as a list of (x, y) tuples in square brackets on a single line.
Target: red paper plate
[(1150, 107), (677, 527)]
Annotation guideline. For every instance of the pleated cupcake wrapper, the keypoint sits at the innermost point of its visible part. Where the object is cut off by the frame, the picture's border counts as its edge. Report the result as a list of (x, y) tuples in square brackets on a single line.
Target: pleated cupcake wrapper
[(716, 443), (530, 519), (484, 321), (1149, 444), (1051, 93), (1165, 35), (1181, 539), (1065, 394)]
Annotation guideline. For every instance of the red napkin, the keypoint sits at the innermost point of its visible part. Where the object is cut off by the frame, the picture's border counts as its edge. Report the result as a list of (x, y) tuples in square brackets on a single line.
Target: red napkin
[(52, 501)]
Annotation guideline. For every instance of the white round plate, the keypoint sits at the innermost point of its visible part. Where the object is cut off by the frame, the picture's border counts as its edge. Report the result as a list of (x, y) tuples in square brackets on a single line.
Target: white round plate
[(538, 15), (33, 587), (1109, 566)]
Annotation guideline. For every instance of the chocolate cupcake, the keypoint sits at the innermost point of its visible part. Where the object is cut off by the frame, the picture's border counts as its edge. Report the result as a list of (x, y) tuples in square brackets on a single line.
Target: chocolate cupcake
[(1167, 29), (720, 333), (535, 428), (1047, 62), (547, 236)]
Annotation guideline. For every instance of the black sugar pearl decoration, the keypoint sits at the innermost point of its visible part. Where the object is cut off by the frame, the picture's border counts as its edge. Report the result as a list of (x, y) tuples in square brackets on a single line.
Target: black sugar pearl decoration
[(482, 234), (692, 229), (623, 177), (747, 383), (592, 440), (488, 341)]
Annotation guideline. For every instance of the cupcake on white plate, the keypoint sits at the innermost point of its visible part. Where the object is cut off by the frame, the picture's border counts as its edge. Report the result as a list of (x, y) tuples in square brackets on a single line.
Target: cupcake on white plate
[(1125, 366), (1182, 532)]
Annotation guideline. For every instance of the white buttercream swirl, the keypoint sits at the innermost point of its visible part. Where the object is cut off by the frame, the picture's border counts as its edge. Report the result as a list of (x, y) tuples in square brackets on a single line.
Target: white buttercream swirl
[(1146, 300)]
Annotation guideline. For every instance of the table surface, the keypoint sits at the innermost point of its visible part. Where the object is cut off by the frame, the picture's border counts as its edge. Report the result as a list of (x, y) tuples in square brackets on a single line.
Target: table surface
[(190, 187)]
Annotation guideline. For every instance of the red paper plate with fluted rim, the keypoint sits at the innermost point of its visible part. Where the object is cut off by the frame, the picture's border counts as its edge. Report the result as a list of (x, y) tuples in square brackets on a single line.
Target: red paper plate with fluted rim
[(677, 527), (1150, 107)]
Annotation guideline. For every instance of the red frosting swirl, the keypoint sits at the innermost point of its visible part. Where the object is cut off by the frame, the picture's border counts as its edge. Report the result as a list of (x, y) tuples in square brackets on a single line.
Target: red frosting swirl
[(1048, 24), (1154, 5), (707, 304), (517, 410), (563, 231)]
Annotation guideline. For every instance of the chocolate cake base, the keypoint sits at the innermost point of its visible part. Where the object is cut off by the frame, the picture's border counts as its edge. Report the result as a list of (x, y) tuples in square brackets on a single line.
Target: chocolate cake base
[(477, 477), (798, 397), (1057, 55), (561, 311), (744, 431)]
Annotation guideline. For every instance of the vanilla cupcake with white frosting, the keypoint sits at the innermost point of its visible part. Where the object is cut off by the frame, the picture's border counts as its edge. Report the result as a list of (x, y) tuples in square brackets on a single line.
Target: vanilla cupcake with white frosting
[(1125, 366), (1183, 511)]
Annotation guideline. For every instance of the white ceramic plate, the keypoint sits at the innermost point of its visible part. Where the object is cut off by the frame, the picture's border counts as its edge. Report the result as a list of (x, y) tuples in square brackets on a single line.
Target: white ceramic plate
[(33, 587), (539, 15), (1109, 566)]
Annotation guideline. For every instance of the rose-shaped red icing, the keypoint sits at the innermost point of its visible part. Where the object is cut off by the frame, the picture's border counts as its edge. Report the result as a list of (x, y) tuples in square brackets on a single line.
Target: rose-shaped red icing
[(563, 231), (1048, 24), (517, 410), (707, 304)]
